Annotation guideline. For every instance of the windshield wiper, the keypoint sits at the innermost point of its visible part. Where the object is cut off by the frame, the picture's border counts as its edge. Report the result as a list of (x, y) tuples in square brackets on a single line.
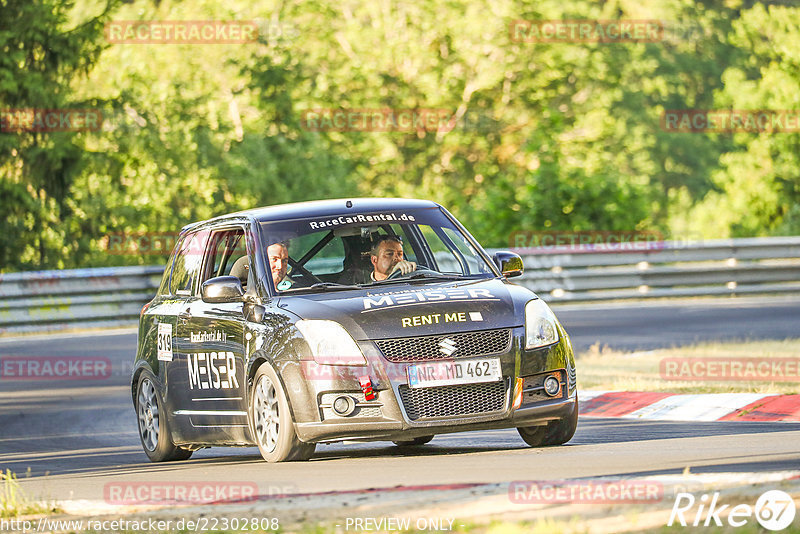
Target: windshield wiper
[(325, 286), (437, 276), (419, 276)]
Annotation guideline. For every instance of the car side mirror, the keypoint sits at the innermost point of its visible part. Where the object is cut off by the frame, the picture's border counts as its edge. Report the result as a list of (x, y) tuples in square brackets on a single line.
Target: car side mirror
[(509, 263), (222, 289)]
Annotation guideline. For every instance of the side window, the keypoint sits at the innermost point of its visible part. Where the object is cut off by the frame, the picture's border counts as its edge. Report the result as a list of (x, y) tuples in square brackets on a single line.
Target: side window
[(163, 288), (475, 264), (187, 264), (446, 259), (228, 256)]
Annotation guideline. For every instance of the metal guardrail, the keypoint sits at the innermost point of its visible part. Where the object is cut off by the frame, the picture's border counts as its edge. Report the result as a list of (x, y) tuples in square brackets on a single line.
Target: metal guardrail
[(56, 300), (663, 269)]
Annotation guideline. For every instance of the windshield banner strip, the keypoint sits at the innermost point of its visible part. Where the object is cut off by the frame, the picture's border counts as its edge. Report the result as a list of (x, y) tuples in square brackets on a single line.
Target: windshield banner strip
[(361, 218)]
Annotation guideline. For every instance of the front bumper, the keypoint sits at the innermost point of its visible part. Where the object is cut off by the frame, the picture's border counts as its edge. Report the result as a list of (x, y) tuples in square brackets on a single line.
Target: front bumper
[(399, 412), (388, 430)]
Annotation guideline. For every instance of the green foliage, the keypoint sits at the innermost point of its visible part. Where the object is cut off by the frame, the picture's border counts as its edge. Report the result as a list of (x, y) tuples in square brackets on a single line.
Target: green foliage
[(757, 182), (545, 136), (14, 502), (41, 53)]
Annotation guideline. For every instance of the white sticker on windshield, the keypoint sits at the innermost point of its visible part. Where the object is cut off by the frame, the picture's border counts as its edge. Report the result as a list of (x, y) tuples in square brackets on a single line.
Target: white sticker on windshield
[(165, 342), (361, 218)]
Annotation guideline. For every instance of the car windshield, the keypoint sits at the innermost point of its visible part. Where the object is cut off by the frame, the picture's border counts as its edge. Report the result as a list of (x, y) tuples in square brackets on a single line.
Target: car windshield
[(361, 249)]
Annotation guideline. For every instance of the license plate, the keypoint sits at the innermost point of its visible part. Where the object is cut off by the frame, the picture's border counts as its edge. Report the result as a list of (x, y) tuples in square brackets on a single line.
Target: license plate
[(449, 373)]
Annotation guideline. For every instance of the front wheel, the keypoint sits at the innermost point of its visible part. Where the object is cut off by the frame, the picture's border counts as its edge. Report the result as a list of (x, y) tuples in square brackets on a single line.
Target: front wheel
[(271, 420), (554, 433), (153, 427)]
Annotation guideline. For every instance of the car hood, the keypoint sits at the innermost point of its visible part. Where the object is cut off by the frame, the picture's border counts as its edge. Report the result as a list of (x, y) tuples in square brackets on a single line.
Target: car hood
[(404, 310)]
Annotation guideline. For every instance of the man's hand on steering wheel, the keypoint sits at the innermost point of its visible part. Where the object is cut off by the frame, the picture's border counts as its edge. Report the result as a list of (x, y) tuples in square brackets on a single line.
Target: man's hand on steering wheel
[(402, 268)]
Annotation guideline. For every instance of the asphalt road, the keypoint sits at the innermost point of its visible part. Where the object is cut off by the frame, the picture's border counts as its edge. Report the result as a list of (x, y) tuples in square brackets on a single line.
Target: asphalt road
[(68, 439), (653, 325)]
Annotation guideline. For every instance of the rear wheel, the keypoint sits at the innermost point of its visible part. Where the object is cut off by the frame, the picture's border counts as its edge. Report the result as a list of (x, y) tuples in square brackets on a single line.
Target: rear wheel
[(413, 442), (153, 427), (554, 433), (271, 420)]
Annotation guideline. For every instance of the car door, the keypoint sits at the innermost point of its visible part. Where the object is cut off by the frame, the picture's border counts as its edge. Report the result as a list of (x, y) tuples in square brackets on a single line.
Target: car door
[(183, 290), (214, 366)]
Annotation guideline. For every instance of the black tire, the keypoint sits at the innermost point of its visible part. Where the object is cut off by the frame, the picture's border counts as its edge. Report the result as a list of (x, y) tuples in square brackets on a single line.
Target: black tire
[(154, 430), (277, 441), (554, 433), (422, 440), (182, 454)]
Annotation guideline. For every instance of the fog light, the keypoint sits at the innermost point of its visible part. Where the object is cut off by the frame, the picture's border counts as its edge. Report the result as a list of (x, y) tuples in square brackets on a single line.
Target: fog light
[(343, 405), (552, 386)]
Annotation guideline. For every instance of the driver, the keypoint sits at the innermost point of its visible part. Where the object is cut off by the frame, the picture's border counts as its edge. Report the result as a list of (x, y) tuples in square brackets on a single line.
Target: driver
[(387, 257), (278, 256)]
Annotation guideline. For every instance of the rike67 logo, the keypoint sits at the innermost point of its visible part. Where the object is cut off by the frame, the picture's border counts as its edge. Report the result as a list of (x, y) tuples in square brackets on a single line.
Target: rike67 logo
[(774, 510)]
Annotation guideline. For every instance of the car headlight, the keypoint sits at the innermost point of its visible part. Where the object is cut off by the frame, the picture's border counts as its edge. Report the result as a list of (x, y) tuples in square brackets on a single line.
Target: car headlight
[(330, 343), (540, 325)]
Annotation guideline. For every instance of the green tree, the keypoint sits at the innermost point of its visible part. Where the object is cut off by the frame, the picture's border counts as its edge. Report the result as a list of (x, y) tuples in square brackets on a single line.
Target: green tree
[(42, 52), (757, 184), (195, 131), (541, 136)]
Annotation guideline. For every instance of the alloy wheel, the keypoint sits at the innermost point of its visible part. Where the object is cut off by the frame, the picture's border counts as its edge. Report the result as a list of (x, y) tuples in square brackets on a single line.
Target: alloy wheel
[(148, 414), (267, 416)]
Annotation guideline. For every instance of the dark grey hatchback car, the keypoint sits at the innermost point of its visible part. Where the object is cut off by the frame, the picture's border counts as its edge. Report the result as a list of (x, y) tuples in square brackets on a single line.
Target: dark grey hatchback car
[(368, 319)]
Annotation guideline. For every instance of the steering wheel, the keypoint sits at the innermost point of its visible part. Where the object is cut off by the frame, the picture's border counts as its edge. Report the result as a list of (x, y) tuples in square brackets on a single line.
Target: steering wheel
[(420, 269), (395, 274)]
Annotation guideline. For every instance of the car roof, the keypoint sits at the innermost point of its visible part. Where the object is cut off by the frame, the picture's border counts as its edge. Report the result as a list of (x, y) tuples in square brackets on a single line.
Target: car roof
[(325, 208)]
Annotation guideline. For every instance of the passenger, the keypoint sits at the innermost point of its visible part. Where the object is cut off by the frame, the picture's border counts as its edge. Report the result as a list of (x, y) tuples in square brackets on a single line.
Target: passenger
[(278, 256)]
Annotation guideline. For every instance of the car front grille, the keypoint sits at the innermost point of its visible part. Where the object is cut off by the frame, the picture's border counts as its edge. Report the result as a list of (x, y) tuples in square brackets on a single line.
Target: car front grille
[(428, 348), (449, 401)]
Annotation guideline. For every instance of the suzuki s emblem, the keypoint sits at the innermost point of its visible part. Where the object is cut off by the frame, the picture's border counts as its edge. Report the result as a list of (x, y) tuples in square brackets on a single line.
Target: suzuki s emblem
[(447, 346)]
